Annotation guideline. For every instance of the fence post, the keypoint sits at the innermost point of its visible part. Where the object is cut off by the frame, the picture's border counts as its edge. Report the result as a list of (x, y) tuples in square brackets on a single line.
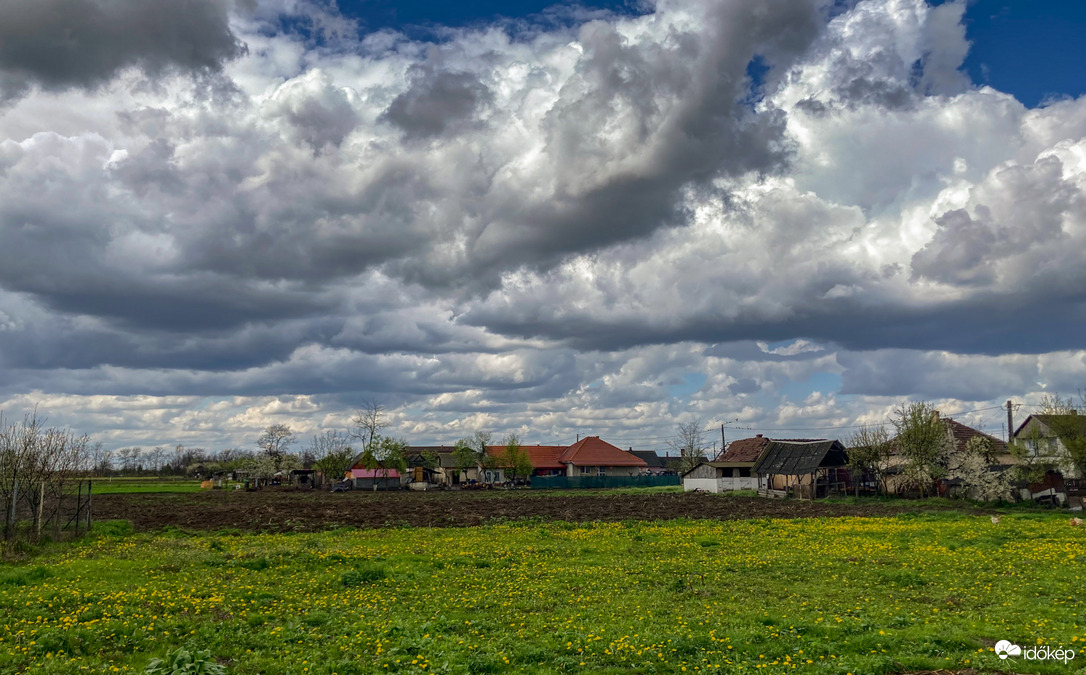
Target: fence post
[(41, 505), (78, 505), (89, 484)]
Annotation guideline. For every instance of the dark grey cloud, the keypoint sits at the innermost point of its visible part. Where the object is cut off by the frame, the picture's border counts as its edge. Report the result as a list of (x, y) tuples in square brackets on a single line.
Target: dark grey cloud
[(437, 103), (934, 375), (58, 44), (979, 325)]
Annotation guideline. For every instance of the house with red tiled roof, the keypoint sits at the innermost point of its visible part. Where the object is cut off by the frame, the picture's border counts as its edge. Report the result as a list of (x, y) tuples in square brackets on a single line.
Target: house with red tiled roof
[(544, 459), (592, 456), (589, 456)]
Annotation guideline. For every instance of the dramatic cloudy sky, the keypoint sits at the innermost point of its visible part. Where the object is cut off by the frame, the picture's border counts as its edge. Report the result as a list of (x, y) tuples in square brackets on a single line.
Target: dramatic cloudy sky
[(788, 216)]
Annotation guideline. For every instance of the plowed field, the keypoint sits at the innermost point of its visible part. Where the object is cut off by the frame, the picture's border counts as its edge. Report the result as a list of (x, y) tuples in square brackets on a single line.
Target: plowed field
[(279, 510)]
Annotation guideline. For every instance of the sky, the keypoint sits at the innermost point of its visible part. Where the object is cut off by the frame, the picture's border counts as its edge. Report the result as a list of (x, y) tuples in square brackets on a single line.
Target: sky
[(553, 220)]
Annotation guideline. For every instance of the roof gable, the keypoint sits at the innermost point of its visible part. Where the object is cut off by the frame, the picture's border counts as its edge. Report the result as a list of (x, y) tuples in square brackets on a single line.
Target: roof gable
[(591, 451), (1056, 424)]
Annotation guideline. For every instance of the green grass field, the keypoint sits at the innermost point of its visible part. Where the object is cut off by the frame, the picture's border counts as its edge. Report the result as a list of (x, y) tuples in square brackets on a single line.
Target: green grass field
[(846, 595)]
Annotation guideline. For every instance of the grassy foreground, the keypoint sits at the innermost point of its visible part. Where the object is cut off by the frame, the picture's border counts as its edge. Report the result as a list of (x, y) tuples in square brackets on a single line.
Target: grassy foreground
[(844, 595)]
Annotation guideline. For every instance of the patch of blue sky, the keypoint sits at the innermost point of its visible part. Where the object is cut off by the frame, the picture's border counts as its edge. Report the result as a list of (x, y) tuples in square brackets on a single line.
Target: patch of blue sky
[(691, 383), (1035, 51), (418, 17), (798, 391)]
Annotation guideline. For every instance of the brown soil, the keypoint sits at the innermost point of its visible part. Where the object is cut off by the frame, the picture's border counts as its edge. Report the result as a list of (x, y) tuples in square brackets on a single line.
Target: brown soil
[(290, 510)]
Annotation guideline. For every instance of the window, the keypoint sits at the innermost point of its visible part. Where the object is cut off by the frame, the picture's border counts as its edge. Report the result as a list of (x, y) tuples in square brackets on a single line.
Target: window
[(744, 473)]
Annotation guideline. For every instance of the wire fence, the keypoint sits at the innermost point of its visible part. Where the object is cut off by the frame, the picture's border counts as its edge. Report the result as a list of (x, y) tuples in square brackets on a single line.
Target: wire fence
[(33, 511)]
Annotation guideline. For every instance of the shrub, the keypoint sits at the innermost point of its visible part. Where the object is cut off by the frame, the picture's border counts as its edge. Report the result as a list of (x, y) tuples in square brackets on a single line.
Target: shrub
[(184, 662), (363, 574)]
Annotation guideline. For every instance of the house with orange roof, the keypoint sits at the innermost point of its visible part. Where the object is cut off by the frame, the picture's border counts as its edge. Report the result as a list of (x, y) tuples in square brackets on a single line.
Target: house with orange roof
[(592, 456)]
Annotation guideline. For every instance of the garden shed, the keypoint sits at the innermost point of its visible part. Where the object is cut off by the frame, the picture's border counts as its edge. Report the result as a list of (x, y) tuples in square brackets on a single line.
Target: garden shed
[(807, 469)]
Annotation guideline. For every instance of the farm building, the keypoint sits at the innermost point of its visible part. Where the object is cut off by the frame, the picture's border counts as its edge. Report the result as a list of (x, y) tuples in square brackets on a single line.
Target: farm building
[(732, 470), (807, 469), (376, 479)]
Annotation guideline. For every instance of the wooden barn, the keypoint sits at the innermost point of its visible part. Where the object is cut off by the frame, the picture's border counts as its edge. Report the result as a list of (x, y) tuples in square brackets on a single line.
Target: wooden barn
[(807, 469)]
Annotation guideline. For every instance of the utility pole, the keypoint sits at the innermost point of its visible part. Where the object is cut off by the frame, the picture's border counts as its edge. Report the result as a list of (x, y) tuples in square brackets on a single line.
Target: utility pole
[(723, 445), (1010, 420)]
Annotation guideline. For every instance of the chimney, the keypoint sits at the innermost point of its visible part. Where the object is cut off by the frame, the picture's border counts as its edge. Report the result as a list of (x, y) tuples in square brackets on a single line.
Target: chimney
[(934, 415)]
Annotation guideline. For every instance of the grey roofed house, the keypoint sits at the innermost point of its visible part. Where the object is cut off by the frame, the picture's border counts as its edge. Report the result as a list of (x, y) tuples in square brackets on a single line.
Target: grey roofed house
[(655, 462)]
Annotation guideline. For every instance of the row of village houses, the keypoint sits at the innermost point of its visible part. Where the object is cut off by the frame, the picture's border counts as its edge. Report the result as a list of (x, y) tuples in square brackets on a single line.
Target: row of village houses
[(588, 457), (806, 468)]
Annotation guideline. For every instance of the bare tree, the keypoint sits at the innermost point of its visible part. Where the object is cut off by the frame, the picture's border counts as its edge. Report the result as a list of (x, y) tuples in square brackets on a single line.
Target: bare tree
[(367, 424), (275, 441), (129, 458), (99, 460), (35, 463), (690, 442), (157, 458), (332, 454)]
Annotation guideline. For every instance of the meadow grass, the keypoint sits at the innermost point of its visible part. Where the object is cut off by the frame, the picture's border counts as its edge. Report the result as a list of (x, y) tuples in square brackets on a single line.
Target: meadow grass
[(842, 595)]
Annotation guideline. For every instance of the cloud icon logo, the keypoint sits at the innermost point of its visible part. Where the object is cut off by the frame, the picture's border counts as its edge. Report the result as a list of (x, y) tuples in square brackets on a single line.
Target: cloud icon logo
[(1005, 648)]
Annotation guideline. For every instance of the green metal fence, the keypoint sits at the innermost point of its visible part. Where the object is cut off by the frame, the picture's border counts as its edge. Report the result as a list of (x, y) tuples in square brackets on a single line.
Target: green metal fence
[(586, 482)]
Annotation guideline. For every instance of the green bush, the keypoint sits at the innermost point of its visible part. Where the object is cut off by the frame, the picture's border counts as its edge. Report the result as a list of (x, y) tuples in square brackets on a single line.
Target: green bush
[(363, 574), (183, 662)]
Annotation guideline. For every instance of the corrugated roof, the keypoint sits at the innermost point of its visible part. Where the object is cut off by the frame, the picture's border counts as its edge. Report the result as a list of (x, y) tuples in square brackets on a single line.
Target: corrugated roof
[(591, 451), (793, 458)]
